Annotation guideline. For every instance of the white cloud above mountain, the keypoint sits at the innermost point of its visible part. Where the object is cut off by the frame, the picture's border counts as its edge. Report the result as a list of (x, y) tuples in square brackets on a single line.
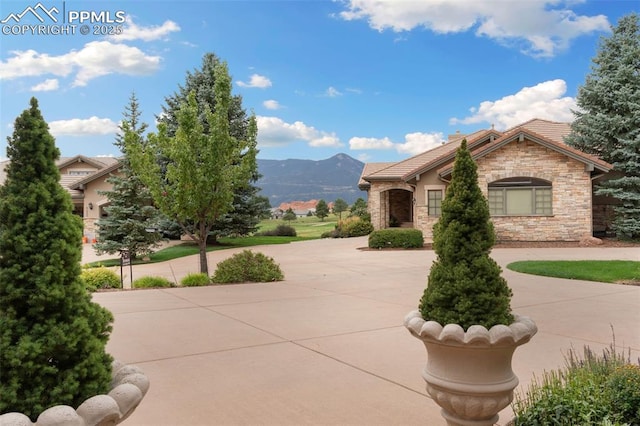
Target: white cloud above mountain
[(273, 131)]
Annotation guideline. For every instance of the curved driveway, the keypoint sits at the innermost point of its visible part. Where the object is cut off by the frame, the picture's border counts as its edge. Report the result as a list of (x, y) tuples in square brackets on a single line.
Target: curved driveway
[(327, 345)]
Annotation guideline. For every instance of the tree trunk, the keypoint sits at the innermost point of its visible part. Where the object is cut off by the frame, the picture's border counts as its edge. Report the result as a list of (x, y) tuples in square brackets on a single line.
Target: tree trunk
[(204, 267)]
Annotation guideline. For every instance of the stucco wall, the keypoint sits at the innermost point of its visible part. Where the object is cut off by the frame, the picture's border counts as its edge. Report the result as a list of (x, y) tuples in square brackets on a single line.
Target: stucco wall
[(91, 195)]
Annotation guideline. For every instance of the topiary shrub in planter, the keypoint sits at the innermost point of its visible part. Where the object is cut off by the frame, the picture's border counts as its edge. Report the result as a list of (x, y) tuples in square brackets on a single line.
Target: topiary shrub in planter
[(52, 336), (396, 238), (151, 282), (464, 317), (247, 267), (195, 280), (100, 278)]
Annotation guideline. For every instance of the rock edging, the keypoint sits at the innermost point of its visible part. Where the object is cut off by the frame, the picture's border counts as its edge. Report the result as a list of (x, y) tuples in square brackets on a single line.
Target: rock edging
[(128, 386)]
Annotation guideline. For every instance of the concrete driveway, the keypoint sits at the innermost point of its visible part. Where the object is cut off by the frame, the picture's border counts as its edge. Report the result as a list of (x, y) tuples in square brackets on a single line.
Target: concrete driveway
[(327, 345)]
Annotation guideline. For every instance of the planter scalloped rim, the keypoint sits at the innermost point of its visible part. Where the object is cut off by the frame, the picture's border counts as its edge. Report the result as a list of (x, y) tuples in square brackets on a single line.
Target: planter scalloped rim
[(469, 373), (518, 333), (128, 386)]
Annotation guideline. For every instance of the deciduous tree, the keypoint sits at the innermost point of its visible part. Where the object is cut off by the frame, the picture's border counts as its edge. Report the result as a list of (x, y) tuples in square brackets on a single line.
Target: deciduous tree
[(340, 206), (203, 164)]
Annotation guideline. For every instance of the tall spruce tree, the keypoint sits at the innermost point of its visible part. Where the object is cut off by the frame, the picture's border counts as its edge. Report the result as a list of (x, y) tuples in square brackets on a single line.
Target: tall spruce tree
[(247, 205), (131, 216), (52, 336), (465, 286), (607, 123)]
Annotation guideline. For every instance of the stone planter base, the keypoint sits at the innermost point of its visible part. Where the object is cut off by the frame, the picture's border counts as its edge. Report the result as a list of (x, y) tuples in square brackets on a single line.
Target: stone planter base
[(128, 386), (469, 373)]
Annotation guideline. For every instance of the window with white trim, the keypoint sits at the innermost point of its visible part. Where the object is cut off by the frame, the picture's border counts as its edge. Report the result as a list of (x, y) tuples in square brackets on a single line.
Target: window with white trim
[(520, 196)]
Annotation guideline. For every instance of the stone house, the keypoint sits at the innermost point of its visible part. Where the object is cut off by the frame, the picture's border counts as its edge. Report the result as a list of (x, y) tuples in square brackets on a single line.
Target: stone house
[(538, 188)]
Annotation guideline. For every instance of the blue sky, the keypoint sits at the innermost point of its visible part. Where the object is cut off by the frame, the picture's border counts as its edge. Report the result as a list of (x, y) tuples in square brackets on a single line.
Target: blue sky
[(378, 80)]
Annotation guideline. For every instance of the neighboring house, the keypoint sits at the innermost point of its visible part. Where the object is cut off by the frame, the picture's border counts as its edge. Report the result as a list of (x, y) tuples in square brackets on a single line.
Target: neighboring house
[(82, 177), (538, 188)]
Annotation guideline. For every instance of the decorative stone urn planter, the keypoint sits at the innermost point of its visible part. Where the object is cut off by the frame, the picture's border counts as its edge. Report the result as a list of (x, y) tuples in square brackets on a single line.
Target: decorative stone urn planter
[(469, 374), (128, 386)]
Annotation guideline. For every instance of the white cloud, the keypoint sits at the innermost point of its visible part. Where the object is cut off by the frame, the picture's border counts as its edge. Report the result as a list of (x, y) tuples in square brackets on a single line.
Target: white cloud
[(131, 31), (414, 143), (95, 59), (354, 90), (332, 92), (256, 80), (271, 104), (273, 131), (544, 100), (370, 143), (541, 27), (46, 86), (83, 127)]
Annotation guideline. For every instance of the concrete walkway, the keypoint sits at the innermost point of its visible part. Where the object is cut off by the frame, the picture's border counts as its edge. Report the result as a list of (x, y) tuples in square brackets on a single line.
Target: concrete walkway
[(327, 345)]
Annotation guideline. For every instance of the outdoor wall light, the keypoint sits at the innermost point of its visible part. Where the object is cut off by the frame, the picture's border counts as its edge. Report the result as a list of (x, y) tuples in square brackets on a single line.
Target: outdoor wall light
[(90, 206)]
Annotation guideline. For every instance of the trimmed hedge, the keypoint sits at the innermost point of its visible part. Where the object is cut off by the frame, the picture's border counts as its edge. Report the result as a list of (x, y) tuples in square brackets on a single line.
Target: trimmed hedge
[(396, 238), (247, 267), (100, 278), (280, 231), (353, 226), (152, 282)]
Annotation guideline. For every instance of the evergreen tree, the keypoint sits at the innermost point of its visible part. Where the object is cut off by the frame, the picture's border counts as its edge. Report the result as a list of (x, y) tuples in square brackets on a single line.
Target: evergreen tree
[(322, 209), (607, 122), (52, 336), (131, 217), (465, 286), (202, 83), (359, 208), (289, 215), (340, 206)]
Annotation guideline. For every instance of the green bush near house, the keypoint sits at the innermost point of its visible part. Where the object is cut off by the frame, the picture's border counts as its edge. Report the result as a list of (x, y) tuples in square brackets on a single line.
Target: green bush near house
[(195, 280), (247, 267), (100, 278), (279, 231), (396, 238), (353, 226), (152, 282), (591, 390)]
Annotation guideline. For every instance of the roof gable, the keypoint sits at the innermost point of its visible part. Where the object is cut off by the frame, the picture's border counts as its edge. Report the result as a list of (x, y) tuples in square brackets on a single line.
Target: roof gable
[(520, 133), (98, 174), (94, 162)]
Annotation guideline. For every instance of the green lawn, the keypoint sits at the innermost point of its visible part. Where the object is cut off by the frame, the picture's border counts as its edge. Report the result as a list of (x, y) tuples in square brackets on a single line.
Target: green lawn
[(307, 228), (606, 271)]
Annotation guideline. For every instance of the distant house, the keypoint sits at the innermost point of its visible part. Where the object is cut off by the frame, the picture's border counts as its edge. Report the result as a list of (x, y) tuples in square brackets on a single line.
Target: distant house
[(538, 188), (83, 177)]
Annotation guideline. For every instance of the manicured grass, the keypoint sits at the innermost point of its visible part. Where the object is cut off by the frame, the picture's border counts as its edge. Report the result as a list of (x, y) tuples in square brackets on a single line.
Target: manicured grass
[(606, 271), (307, 228)]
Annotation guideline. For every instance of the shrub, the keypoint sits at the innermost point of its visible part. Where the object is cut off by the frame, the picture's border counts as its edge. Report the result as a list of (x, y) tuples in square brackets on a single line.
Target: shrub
[(396, 238), (247, 267), (590, 390), (355, 226), (100, 278), (623, 388), (152, 282), (280, 231), (195, 280)]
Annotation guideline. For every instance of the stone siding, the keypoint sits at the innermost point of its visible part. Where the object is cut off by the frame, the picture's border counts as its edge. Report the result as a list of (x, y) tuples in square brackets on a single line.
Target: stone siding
[(378, 202), (571, 219)]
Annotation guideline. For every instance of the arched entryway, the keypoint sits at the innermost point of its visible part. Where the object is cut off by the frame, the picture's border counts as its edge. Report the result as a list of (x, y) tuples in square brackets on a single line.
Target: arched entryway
[(400, 208)]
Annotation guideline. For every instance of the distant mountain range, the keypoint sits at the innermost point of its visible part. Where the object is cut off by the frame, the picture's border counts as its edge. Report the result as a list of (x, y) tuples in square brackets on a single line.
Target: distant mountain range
[(301, 180)]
